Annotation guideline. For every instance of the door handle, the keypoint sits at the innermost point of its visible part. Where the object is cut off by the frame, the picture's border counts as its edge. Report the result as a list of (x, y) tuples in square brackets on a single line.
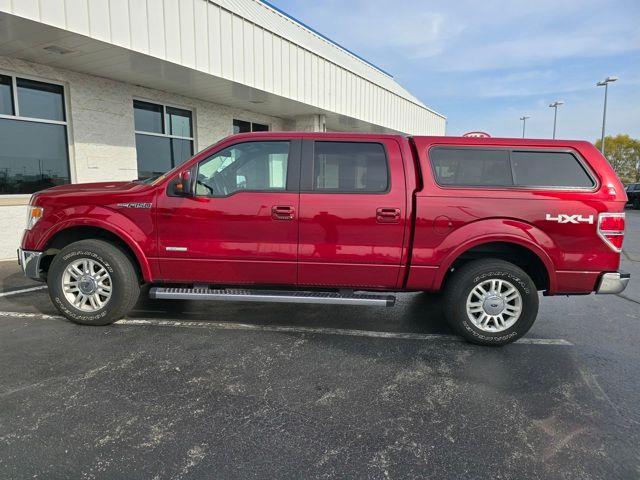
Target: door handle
[(387, 215), (283, 212)]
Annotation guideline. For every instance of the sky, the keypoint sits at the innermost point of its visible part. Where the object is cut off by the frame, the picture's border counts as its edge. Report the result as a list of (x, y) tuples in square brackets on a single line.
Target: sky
[(485, 64)]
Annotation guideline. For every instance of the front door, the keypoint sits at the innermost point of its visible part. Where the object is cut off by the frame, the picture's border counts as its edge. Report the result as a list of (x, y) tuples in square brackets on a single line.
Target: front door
[(352, 214), (241, 227)]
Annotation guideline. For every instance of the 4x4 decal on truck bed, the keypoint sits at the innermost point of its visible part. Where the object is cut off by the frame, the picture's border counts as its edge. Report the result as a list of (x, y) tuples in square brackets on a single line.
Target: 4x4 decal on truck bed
[(564, 218)]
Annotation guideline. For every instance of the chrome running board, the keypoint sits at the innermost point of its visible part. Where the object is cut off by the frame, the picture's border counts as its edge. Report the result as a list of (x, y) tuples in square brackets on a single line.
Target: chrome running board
[(280, 296)]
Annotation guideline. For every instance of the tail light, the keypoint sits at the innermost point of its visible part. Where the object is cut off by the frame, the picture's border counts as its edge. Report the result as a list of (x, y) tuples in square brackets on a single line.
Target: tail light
[(611, 230)]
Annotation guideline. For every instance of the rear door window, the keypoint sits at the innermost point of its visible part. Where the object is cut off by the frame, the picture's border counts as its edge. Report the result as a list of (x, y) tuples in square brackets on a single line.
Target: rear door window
[(549, 169), (471, 166), (357, 167)]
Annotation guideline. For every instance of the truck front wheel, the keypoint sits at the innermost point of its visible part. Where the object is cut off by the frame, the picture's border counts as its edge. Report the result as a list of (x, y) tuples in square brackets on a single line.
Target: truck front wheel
[(490, 302), (93, 282)]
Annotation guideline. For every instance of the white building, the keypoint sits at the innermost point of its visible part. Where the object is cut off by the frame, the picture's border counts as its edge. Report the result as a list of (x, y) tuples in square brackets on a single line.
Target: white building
[(98, 90)]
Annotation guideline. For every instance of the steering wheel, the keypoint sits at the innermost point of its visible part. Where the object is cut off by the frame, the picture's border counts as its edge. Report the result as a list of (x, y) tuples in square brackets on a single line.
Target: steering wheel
[(200, 182), (218, 185)]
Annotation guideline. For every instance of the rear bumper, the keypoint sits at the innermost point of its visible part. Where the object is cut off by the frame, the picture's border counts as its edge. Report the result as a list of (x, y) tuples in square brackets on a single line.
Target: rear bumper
[(30, 263), (613, 282)]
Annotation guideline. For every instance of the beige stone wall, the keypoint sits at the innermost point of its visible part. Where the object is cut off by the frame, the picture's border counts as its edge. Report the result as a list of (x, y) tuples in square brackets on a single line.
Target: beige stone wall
[(102, 140), (307, 123), (12, 222)]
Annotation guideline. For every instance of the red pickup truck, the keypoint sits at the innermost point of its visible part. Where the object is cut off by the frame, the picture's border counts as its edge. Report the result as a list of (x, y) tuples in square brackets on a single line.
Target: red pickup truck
[(345, 219)]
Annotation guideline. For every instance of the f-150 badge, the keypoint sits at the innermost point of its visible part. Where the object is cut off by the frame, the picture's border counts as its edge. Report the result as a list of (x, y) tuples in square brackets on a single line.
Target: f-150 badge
[(564, 218)]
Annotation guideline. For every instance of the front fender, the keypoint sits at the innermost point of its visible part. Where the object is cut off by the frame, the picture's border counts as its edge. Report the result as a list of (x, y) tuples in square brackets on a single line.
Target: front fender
[(496, 230), (137, 234)]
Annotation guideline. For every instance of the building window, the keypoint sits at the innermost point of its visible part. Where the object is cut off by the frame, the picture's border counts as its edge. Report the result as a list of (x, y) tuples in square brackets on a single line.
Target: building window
[(34, 153), (164, 137), (240, 126)]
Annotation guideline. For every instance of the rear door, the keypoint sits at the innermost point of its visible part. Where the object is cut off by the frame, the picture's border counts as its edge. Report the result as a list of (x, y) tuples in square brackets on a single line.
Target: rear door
[(352, 213)]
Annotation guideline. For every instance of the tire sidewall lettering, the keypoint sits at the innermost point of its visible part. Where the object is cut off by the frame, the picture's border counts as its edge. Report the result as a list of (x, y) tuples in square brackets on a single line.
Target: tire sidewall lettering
[(93, 255), (502, 274)]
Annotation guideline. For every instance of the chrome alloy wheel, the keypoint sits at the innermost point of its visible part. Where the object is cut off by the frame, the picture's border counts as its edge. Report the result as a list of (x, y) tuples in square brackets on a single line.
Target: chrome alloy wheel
[(494, 305), (86, 285)]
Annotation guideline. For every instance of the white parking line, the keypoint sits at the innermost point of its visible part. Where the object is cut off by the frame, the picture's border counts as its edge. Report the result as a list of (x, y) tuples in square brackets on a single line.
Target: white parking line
[(24, 290), (290, 329)]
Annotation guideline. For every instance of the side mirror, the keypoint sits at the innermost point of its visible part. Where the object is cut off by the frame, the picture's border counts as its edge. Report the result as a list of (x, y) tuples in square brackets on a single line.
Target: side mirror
[(182, 184)]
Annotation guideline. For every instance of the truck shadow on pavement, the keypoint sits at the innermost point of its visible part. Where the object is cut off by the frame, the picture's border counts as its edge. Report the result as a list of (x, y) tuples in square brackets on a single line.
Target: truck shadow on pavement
[(413, 313)]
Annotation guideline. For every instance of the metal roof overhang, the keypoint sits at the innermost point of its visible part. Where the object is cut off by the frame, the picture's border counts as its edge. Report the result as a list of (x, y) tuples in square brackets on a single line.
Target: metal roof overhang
[(27, 39)]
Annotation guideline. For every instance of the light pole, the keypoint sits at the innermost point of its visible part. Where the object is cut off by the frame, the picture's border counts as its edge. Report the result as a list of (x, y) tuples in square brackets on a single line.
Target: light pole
[(524, 122), (555, 106), (605, 83)]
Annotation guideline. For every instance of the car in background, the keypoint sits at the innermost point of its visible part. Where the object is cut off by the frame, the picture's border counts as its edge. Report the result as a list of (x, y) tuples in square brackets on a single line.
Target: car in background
[(633, 194)]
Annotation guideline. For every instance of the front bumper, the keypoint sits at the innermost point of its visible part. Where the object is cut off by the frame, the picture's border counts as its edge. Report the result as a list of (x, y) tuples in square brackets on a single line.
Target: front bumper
[(613, 282), (30, 263)]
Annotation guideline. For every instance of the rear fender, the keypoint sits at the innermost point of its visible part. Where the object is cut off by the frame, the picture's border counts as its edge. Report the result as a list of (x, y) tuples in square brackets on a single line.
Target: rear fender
[(497, 230)]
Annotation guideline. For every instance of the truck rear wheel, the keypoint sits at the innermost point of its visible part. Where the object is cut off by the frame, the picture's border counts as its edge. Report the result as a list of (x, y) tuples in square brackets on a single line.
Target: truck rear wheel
[(93, 282), (490, 302)]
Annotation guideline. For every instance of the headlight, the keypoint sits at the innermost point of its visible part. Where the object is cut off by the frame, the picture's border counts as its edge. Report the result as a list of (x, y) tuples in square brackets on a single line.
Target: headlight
[(34, 214)]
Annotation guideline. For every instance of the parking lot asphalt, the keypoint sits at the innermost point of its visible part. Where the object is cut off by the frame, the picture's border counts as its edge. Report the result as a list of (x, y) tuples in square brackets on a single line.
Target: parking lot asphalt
[(232, 390)]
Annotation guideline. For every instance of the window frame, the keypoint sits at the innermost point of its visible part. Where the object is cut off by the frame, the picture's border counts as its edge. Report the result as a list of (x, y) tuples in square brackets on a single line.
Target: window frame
[(308, 166), (292, 182), (527, 149), (164, 106), (23, 198)]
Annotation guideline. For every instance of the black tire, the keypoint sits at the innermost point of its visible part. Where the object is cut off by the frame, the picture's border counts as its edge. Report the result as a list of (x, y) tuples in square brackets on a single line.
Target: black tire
[(123, 280), (460, 285), (636, 203)]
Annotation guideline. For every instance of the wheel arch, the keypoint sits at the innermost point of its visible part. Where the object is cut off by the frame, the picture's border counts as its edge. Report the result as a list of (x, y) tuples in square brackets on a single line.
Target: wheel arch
[(526, 255), (73, 231)]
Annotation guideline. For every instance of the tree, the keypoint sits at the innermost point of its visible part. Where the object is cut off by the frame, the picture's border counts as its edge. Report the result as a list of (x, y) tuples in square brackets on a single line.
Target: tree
[(623, 152)]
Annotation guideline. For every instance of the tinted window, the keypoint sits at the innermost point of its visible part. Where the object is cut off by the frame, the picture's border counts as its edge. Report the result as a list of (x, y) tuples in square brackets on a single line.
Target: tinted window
[(548, 169), (471, 166), (246, 166), (147, 117), (33, 156), (350, 167), (156, 155), (178, 122), (160, 149), (40, 100), (6, 96), (240, 126)]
